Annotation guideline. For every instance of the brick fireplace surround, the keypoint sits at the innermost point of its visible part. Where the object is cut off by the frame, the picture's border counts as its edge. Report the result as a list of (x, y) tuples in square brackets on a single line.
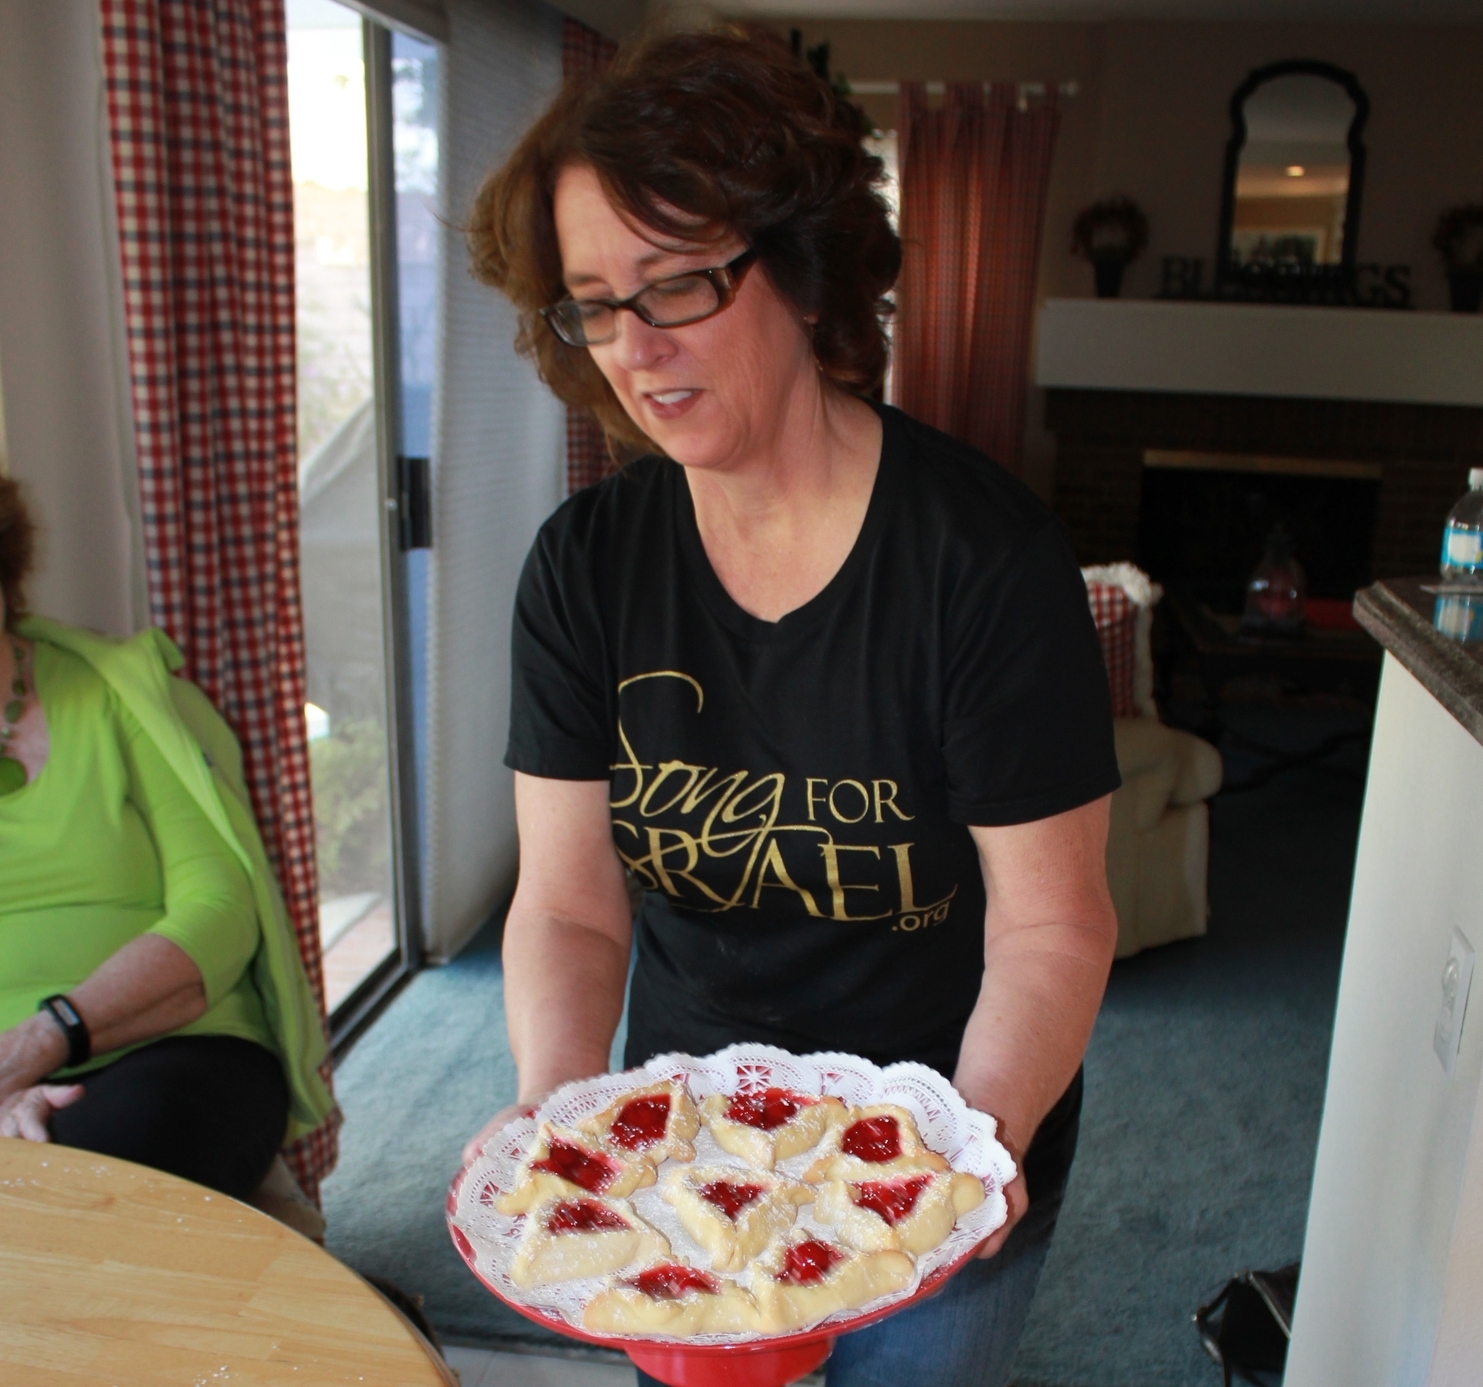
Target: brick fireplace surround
[(1399, 391), (1424, 452)]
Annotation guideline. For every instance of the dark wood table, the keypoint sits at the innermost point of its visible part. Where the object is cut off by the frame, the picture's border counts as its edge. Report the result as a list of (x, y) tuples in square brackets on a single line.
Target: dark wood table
[(1317, 661)]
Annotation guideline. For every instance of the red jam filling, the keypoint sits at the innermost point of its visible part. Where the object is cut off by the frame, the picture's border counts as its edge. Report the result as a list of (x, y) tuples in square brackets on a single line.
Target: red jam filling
[(585, 1169), (875, 1139), (893, 1200), (583, 1216), (641, 1123), (809, 1262), (671, 1281), (768, 1108), (730, 1199)]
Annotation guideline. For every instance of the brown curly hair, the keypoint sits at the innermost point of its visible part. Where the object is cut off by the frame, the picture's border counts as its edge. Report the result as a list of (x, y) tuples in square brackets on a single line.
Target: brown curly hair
[(17, 550), (700, 135)]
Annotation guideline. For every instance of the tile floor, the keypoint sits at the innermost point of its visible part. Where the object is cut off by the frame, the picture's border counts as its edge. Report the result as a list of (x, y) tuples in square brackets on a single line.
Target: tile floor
[(481, 1368), (478, 1367)]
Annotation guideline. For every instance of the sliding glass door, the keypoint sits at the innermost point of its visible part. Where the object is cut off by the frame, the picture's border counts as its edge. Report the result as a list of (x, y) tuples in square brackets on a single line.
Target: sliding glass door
[(361, 129)]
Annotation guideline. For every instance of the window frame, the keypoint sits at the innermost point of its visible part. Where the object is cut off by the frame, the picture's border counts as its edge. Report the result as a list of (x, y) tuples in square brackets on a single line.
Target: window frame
[(361, 1006)]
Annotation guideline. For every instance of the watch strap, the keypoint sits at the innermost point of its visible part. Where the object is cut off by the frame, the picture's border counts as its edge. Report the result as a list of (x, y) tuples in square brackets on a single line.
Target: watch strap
[(69, 1020)]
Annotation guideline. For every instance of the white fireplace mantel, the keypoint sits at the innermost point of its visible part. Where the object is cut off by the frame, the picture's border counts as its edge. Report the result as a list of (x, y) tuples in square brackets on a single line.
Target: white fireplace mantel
[(1261, 349)]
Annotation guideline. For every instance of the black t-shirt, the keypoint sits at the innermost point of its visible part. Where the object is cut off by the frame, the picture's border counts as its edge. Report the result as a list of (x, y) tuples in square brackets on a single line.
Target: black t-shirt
[(793, 795)]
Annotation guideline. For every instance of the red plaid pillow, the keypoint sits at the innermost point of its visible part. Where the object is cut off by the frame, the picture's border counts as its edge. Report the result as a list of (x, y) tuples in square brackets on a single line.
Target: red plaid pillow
[(1116, 616)]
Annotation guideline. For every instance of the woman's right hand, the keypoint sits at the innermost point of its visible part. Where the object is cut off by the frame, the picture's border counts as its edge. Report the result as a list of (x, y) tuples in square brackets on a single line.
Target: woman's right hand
[(27, 1114), (568, 934), (475, 1143), (29, 1051)]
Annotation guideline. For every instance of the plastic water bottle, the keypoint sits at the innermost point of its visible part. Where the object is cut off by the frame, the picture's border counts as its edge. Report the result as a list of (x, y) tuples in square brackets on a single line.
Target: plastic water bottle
[(1462, 540)]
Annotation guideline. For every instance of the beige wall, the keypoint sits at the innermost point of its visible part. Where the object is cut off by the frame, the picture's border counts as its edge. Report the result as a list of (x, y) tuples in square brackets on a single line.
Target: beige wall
[(1151, 120)]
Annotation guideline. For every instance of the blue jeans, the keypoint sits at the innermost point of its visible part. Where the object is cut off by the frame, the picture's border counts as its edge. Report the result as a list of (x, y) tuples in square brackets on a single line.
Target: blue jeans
[(965, 1335)]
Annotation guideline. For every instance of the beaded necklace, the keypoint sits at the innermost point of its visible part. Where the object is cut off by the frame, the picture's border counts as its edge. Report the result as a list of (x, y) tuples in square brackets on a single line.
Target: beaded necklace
[(12, 772)]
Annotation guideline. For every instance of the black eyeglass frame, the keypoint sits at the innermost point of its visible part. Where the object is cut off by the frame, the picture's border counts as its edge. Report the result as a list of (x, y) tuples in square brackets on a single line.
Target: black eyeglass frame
[(725, 279)]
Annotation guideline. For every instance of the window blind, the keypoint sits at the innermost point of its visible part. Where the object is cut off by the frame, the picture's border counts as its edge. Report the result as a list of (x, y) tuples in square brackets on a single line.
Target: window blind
[(498, 456)]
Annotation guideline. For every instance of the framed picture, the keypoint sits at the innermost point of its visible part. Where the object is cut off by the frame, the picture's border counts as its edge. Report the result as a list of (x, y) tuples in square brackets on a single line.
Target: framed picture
[(1279, 245)]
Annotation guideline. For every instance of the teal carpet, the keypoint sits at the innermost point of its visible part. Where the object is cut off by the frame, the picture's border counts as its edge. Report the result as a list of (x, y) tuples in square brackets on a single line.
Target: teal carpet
[(1204, 1089)]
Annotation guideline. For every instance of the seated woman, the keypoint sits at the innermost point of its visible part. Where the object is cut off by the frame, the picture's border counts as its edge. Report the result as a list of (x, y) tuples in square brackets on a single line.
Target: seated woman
[(153, 1005)]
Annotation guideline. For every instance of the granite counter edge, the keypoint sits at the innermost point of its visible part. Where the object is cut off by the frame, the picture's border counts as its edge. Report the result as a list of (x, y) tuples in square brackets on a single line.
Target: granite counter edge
[(1442, 667)]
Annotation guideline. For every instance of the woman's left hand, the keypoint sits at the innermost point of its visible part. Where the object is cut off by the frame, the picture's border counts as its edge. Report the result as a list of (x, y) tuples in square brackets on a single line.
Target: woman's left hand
[(1049, 936), (1018, 1199), (27, 1114)]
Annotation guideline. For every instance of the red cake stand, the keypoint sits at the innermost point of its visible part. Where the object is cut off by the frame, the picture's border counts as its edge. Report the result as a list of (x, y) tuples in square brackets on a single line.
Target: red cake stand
[(774, 1361)]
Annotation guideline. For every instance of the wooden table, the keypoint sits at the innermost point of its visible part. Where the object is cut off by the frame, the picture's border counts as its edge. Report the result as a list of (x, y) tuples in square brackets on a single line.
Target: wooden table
[(112, 1275)]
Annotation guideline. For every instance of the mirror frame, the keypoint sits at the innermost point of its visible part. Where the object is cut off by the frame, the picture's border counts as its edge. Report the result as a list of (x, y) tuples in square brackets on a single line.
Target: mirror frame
[(1306, 67)]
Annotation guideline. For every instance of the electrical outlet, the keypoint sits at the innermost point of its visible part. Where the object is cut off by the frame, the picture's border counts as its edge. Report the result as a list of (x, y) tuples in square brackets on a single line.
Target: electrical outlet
[(1457, 977)]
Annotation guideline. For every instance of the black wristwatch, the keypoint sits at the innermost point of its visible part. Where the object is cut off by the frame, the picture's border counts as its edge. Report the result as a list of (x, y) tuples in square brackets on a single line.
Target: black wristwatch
[(79, 1040)]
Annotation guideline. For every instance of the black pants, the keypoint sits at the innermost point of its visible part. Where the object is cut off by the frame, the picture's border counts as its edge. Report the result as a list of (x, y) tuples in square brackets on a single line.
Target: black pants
[(209, 1108)]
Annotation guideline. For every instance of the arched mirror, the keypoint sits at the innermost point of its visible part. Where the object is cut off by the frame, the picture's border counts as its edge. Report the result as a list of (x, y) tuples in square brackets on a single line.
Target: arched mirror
[(1294, 171)]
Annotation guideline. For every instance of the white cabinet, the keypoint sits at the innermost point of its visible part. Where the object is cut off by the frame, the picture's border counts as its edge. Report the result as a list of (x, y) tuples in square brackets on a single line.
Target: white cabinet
[(1392, 1285)]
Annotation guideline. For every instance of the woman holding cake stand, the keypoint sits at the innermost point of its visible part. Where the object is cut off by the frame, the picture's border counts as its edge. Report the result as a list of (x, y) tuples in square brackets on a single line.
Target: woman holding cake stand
[(821, 680)]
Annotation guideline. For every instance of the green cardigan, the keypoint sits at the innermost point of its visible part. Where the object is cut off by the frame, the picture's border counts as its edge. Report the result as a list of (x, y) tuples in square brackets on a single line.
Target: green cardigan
[(199, 748)]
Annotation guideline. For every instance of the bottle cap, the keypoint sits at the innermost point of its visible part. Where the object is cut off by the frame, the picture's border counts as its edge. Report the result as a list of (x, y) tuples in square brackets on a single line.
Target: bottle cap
[(1475, 478)]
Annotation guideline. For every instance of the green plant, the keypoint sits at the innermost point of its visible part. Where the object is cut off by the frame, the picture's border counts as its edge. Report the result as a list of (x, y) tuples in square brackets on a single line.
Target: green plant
[(1114, 229), (350, 807), (1458, 237)]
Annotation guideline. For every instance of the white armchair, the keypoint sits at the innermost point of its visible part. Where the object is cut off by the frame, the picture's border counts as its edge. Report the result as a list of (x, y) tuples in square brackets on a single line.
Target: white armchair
[(1158, 843)]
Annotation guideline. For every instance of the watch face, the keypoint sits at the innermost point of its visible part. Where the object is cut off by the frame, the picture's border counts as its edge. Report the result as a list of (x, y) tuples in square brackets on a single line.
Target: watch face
[(79, 1041)]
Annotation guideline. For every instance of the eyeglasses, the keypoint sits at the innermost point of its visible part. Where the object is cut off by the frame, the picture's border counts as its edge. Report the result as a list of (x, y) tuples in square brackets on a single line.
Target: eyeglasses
[(673, 302)]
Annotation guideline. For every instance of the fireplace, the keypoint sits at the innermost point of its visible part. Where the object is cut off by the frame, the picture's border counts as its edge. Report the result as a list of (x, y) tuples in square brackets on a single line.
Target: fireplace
[(1204, 520), (1188, 485), (1184, 431)]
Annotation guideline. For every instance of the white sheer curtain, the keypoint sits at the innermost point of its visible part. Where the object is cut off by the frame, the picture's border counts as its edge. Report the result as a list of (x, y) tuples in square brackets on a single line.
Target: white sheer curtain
[(498, 456), (66, 361)]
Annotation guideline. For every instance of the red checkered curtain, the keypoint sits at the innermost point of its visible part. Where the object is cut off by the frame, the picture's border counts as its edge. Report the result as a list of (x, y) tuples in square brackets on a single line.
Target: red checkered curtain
[(583, 52), (974, 176), (198, 118), (587, 457)]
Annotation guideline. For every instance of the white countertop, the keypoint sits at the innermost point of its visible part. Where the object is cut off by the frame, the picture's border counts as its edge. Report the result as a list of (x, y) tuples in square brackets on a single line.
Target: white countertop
[(1261, 349)]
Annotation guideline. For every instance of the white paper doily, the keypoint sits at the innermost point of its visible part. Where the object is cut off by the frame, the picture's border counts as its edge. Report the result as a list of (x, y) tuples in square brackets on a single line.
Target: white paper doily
[(947, 1124)]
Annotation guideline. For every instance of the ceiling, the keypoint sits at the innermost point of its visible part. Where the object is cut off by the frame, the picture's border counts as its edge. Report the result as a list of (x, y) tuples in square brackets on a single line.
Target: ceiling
[(1413, 11)]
